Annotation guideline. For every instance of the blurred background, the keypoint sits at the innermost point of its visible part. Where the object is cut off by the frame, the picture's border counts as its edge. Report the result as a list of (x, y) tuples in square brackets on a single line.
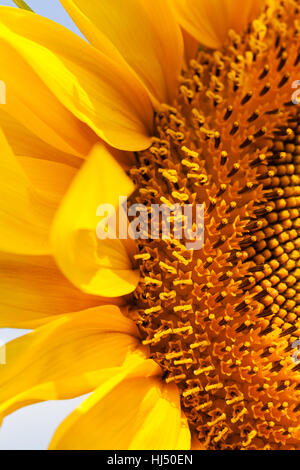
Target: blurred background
[(31, 428)]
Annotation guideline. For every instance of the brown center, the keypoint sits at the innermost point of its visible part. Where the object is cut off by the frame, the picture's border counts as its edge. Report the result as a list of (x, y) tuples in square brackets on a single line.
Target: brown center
[(222, 321)]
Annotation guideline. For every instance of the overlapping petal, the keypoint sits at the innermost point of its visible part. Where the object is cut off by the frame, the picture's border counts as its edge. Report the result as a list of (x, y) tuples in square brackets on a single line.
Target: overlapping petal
[(30, 102), (99, 267), (103, 94), (33, 291), (131, 411), (143, 33), (209, 21), (50, 178), (65, 358), (25, 142), (191, 46), (26, 210)]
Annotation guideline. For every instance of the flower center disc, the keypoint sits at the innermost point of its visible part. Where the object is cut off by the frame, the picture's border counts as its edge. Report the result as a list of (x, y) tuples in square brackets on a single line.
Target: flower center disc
[(222, 321)]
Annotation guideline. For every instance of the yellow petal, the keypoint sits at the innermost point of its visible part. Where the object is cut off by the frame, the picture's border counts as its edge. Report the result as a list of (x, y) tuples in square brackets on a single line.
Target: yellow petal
[(50, 178), (126, 413), (101, 93), (209, 21), (33, 290), (142, 32), (29, 101), (26, 212), (63, 359), (24, 142), (191, 46), (99, 267)]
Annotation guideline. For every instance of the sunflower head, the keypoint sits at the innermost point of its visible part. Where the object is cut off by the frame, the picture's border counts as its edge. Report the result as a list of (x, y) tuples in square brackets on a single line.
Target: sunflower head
[(181, 103)]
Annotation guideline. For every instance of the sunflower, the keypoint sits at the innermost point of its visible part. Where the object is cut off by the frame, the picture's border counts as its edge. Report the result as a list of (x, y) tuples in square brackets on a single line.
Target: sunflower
[(179, 348)]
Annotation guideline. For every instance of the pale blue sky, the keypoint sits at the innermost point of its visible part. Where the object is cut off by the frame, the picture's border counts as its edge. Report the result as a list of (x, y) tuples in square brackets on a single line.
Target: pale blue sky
[(31, 428), (50, 8)]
